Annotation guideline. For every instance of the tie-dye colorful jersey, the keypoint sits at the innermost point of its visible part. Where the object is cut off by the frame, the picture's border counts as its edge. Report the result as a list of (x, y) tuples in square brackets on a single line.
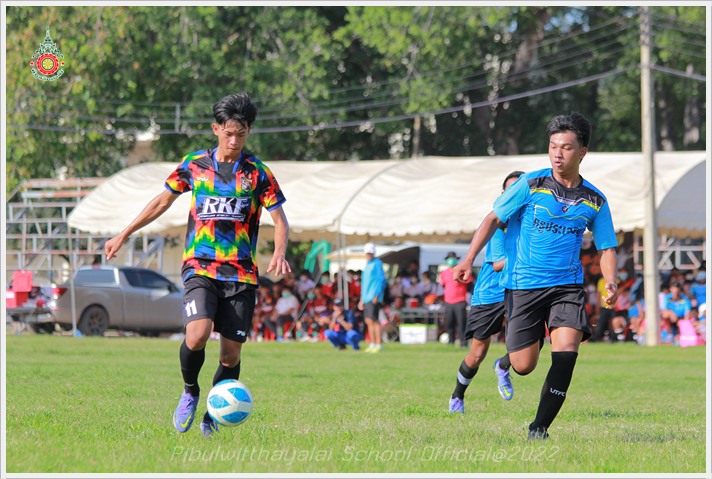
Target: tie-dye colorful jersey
[(224, 217)]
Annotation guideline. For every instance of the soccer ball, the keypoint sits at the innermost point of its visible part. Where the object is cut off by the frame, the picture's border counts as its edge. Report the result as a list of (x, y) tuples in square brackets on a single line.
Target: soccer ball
[(229, 402), (444, 338)]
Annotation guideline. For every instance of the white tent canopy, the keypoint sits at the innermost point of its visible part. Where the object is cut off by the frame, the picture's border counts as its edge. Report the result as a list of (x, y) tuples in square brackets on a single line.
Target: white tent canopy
[(424, 196)]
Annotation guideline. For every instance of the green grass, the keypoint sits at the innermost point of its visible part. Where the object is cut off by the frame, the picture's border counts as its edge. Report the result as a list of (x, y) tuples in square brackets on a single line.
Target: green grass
[(101, 405)]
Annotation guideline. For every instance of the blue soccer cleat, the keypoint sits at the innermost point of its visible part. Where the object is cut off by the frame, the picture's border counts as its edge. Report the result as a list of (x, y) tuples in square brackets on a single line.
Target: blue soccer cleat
[(208, 426), (504, 382), (457, 405), (185, 412)]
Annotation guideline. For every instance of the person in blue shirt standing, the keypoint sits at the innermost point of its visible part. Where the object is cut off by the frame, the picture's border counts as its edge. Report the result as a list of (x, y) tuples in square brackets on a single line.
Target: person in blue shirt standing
[(547, 212), (485, 318), (373, 285)]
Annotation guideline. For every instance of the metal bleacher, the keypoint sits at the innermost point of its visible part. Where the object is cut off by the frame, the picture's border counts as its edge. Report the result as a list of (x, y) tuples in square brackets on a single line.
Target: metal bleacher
[(39, 239)]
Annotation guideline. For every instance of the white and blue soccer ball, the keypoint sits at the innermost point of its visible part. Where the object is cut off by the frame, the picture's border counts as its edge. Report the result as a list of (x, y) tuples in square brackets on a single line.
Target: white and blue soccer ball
[(229, 402)]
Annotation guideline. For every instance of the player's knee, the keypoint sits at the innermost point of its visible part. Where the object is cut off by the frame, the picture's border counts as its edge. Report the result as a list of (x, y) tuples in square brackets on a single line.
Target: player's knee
[(196, 341), (522, 368), (522, 371), (230, 359)]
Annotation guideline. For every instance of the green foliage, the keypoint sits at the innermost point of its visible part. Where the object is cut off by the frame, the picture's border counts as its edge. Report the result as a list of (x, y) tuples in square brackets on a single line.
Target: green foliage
[(105, 405), (297, 252), (338, 83)]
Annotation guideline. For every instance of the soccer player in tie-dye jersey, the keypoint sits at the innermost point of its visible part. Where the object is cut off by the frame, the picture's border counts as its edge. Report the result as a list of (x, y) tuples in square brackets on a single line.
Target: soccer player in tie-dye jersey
[(546, 213), (229, 188)]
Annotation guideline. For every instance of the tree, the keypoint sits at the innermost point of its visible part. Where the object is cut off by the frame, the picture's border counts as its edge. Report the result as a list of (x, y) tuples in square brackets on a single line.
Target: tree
[(342, 83)]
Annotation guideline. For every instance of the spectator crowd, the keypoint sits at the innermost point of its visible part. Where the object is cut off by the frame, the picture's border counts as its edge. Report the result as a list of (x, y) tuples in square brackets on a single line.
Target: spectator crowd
[(301, 308)]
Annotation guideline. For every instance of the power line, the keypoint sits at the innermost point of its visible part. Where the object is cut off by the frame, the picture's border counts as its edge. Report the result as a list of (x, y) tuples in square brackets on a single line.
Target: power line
[(671, 71), (366, 106), (680, 51), (671, 18), (359, 123), (556, 39), (542, 68)]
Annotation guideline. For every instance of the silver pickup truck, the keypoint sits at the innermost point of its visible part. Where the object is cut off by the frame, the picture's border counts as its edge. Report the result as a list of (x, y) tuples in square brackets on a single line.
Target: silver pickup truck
[(120, 297)]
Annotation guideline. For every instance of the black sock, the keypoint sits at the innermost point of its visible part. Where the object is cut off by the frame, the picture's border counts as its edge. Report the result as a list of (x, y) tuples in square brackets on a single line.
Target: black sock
[(464, 376), (553, 393), (504, 363), (190, 364), (224, 372)]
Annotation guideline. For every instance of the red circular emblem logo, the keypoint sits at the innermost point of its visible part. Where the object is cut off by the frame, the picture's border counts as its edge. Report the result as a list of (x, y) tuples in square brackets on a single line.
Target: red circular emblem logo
[(47, 64)]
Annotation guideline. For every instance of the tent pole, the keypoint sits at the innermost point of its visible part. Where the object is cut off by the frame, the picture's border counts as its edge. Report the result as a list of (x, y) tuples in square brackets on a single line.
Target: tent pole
[(344, 279)]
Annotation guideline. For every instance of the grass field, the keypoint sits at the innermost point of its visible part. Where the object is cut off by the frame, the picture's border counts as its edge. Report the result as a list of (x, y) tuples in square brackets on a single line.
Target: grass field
[(102, 405)]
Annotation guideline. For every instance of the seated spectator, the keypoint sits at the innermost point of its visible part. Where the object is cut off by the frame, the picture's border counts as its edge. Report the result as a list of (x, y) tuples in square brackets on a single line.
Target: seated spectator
[(344, 328), (395, 287), (624, 279), (699, 288), (319, 310), (701, 322), (289, 281), (604, 321), (412, 269), (326, 284), (337, 285), (262, 322), (354, 286), (427, 286), (285, 311), (677, 306), (413, 291), (303, 285), (636, 289), (393, 314), (636, 315), (673, 276), (620, 321)]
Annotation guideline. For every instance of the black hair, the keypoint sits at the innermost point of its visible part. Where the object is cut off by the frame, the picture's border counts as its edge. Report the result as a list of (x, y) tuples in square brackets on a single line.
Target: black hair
[(514, 174), (575, 122), (235, 107)]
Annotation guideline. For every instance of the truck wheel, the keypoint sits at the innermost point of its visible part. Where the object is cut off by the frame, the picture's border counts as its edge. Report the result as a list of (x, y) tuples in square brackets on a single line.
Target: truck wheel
[(94, 321)]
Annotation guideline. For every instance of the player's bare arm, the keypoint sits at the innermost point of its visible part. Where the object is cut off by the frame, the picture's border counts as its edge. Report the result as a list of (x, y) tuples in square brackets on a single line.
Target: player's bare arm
[(609, 269), (463, 270), (155, 208), (498, 265), (279, 263)]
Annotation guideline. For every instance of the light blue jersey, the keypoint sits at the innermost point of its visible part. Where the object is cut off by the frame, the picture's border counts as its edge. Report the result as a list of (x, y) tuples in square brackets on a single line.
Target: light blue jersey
[(545, 226), (487, 288), (373, 281)]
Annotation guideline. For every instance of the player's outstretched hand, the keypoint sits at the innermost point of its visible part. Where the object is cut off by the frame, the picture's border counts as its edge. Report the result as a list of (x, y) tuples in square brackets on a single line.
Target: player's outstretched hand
[(461, 272), (279, 265), (612, 295), (112, 247)]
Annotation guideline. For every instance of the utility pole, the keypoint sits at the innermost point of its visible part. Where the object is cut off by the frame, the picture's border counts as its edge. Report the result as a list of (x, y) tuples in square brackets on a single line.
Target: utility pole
[(416, 136), (650, 233)]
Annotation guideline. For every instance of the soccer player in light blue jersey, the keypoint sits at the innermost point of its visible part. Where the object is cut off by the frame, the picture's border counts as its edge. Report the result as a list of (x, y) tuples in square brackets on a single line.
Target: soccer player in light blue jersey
[(546, 213), (485, 318)]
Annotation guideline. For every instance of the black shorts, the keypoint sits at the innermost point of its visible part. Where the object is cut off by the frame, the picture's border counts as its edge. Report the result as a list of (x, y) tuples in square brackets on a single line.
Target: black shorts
[(484, 320), (230, 305), (371, 310), (530, 311)]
